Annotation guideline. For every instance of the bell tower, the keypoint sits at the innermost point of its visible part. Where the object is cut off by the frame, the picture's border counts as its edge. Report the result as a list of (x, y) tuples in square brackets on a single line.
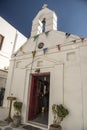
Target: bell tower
[(46, 20)]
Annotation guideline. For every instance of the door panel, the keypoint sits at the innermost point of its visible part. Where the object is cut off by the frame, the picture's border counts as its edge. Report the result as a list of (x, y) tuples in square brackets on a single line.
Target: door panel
[(33, 98)]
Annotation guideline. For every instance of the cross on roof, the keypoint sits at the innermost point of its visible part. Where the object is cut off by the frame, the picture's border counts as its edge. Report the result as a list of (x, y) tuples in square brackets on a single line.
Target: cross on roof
[(44, 6)]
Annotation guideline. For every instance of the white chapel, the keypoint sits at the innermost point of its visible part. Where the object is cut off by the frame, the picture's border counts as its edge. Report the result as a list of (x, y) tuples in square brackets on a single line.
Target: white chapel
[(51, 61)]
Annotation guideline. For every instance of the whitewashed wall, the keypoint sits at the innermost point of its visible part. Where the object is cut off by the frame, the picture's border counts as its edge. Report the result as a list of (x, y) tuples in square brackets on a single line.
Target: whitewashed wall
[(68, 77), (67, 67), (13, 39)]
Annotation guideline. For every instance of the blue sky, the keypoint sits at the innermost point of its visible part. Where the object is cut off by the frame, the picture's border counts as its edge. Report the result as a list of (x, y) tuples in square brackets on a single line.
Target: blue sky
[(72, 14)]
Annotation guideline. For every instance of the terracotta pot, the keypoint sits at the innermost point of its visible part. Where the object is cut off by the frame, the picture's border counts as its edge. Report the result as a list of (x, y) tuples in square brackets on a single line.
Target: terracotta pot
[(55, 128)]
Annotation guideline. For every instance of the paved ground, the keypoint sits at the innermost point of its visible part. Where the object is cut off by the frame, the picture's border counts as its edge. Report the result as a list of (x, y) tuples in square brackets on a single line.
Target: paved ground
[(3, 116), (5, 126), (3, 113)]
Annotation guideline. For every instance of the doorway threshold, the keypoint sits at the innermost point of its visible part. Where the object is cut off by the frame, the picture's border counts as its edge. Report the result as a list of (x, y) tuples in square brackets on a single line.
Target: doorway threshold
[(37, 125)]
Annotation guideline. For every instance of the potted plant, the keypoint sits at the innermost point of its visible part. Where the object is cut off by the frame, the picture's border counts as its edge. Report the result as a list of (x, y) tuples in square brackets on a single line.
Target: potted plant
[(17, 116), (59, 112)]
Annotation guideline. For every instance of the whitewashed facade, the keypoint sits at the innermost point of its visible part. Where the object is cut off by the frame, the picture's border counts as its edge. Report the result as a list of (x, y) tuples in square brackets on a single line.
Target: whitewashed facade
[(12, 40), (64, 57)]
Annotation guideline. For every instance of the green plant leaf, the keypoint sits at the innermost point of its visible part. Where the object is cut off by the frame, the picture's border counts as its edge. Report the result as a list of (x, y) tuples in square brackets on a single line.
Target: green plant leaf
[(18, 106), (60, 112)]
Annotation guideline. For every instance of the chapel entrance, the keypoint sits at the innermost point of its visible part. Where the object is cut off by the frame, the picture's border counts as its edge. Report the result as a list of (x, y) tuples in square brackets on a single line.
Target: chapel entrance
[(39, 98)]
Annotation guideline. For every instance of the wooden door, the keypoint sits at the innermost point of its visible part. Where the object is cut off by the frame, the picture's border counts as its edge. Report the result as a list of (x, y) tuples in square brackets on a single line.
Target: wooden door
[(33, 98)]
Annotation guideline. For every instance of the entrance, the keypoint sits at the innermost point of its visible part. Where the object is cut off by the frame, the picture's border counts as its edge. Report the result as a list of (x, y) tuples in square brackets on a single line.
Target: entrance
[(39, 98)]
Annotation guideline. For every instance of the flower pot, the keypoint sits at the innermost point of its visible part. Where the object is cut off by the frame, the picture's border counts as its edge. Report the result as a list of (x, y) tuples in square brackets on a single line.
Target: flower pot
[(16, 120), (52, 127)]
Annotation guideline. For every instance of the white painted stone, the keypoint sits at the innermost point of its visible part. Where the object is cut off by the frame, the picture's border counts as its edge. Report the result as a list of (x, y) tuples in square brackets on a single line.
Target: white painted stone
[(13, 39), (67, 66), (49, 16)]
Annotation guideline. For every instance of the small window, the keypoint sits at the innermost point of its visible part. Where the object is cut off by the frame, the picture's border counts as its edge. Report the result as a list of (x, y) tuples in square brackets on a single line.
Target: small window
[(1, 40), (43, 25), (40, 45)]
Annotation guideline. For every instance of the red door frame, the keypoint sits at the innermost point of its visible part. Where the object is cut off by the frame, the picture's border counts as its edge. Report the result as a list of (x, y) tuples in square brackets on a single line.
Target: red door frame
[(33, 101), (41, 74)]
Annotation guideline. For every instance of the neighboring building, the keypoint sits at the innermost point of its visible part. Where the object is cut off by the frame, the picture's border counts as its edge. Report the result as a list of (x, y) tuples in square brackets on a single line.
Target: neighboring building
[(54, 62), (10, 42)]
